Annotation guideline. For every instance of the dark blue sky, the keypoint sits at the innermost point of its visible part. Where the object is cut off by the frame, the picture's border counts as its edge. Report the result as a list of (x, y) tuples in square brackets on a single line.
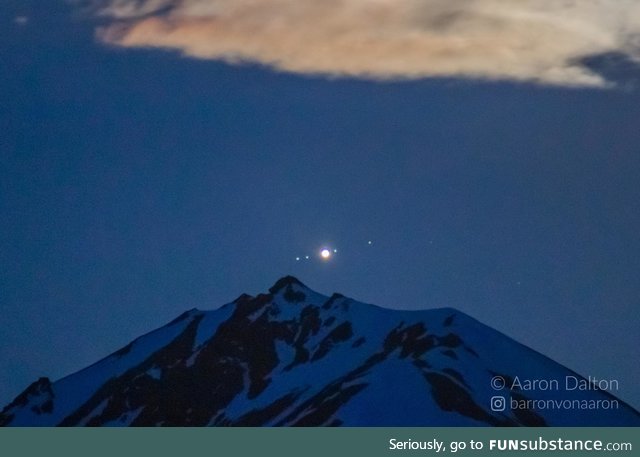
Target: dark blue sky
[(136, 184)]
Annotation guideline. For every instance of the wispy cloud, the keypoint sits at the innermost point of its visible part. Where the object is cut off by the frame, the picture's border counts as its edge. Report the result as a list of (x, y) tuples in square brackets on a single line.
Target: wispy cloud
[(527, 40)]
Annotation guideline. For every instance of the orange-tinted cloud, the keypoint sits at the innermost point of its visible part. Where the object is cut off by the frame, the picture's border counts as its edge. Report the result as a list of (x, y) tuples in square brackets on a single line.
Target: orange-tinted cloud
[(532, 40)]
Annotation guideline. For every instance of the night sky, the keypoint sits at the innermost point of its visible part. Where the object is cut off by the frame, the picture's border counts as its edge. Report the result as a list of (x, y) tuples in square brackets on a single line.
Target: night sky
[(136, 183)]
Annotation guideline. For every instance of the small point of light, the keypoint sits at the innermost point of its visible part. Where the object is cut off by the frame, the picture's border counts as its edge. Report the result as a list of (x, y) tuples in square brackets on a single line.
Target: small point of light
[(335, 250), (297, 258), (306, 257), (369, 242)]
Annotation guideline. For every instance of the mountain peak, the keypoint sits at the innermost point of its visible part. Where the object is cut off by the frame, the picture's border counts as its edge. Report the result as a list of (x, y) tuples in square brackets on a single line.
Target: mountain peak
[(286, 282), (294, 357)]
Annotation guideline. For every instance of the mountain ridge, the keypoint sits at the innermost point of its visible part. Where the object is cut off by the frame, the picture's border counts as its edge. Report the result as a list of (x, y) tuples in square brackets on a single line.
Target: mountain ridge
[(296, 357)]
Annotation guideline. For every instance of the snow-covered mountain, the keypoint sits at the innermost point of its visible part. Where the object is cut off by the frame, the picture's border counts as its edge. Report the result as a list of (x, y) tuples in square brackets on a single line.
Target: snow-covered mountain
[(295, 357)]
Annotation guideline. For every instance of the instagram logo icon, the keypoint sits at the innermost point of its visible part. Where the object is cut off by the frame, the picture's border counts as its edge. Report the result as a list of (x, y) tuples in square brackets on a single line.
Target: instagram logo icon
[(498, 403)]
